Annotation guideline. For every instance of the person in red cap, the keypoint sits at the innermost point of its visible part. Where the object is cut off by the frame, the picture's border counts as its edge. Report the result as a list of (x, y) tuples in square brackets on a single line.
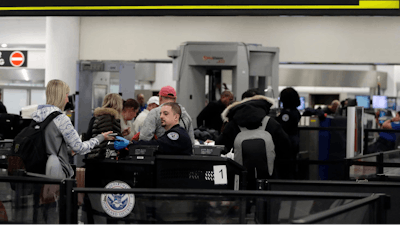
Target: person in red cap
[(152, 124)]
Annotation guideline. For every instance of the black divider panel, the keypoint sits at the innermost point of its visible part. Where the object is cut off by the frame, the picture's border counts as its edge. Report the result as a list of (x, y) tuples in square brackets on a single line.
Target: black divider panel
[(136, 173), (389, 188), (197, 172)]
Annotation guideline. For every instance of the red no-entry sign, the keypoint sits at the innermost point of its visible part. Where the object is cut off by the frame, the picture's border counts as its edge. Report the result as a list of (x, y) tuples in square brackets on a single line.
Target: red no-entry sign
[(17, 58)]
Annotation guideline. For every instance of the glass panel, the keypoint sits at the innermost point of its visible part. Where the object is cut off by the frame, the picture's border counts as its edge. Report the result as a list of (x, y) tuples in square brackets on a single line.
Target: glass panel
[(361, 172), (391, 157), (15, 99), (38, 97), (29, 202), (361, 215), (100, 91), (114, 88), (200, 208)]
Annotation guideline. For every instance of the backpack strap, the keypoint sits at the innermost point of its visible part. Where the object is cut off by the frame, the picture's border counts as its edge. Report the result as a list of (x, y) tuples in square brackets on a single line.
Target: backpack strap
[(46, 122), (264, 123), (184, 124), (49, 118)]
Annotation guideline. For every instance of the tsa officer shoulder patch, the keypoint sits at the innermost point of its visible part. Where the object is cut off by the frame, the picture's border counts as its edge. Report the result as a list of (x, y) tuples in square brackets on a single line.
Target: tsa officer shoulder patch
[(285, 117), (173, 136)]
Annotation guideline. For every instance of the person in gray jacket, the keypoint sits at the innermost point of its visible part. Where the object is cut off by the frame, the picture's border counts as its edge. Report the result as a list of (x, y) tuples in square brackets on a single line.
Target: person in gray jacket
[(60, 133), (152, 124)]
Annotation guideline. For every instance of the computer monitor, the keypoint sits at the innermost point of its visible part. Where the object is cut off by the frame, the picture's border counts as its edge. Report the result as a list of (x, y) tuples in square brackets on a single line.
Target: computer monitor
[(302, 105), (391, 103), (379, 102), (363, 100)]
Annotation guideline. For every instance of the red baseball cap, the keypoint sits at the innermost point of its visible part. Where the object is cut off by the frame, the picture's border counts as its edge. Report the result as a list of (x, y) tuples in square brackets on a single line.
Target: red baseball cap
[(167, 91)]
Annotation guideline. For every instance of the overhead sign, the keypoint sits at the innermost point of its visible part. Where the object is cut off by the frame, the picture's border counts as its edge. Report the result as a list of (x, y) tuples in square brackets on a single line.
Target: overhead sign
[(197, 7), (13, 58)]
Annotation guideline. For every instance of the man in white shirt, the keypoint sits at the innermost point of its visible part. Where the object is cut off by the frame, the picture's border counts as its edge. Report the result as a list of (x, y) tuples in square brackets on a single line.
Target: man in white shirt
[(152, 103), (129, 111)]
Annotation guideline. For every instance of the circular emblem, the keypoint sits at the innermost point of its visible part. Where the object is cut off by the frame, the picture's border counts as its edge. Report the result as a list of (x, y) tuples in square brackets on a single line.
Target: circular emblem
[(17, 58), (117, 205), (285, 117), (173, 136)]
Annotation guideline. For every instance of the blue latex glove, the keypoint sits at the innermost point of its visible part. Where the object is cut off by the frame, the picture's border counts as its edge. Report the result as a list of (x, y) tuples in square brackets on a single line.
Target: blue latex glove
[(121, 143)]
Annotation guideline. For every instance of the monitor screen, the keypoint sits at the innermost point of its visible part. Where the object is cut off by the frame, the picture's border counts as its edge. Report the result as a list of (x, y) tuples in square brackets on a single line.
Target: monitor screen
[(391, 103), (302, 105), (363, 100), (379, 102)]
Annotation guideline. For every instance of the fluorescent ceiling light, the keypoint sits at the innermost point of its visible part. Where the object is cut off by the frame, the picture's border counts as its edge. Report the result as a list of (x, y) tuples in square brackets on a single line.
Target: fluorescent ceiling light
[(4, 45), (25, 73)]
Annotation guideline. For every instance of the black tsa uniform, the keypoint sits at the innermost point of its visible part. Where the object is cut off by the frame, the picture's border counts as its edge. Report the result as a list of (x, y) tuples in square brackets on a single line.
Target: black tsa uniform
[(289, 119), (175, 141)]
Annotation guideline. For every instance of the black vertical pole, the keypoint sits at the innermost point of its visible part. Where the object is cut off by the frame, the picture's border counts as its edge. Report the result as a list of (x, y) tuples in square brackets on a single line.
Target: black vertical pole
[(74, 215), (380, 163), (62, 206), (69, 185), (365, 141)]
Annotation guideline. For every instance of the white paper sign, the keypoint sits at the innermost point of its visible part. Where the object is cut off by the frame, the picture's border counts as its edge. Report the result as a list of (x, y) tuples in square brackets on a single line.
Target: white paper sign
[(220, 175)]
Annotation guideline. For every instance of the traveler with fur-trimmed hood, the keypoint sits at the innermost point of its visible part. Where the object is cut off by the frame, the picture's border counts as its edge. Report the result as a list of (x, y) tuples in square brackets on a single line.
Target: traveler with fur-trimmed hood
[(249, 113), (106, 118)]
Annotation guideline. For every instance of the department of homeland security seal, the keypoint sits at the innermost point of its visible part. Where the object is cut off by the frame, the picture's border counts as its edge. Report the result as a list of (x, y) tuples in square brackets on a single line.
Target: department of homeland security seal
[(117, 205)]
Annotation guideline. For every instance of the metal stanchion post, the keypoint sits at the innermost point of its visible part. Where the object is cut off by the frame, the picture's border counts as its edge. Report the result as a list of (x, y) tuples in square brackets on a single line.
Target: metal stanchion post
[(69, 202), (380, 163)]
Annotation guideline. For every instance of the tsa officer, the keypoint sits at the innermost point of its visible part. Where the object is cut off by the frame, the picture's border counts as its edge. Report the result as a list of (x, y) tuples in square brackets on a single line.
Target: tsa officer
[(176, 140)]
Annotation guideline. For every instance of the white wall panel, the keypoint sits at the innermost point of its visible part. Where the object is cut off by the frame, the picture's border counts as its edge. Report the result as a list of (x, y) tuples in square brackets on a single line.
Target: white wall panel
[(36, 59), (23, 30), (300, 39)]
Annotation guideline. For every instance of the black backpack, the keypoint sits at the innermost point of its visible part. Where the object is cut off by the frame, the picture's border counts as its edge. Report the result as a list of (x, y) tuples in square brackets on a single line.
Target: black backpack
[(29, 148)]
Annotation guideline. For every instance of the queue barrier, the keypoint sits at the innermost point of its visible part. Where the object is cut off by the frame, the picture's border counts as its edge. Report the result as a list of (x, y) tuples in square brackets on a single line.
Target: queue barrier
[(361, 186), (33, 198), (228, 206), (26, 199), (382, 166)]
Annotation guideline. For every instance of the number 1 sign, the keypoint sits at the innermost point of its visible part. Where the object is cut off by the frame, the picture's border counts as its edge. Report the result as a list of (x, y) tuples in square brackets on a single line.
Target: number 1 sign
[(220, 175)]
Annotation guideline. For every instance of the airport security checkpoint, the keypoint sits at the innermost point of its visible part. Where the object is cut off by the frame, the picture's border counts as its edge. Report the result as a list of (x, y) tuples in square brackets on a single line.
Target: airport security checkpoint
[(345, 168)]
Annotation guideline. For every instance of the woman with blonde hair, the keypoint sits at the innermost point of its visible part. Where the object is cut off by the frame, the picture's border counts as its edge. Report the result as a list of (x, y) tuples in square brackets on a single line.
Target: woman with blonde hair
[(60, 133), (106, 118)]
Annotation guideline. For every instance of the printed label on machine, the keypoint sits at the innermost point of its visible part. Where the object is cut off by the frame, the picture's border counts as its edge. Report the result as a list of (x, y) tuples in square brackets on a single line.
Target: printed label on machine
[(220, 175), (117, 205)]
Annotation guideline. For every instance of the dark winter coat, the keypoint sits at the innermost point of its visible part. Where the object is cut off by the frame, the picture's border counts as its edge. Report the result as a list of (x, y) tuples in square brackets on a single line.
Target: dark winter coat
[(249, 113), (105, 119)]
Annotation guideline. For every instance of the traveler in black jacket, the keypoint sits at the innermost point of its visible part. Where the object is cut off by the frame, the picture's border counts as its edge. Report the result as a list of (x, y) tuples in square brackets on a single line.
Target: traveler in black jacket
[(210, 116), (106, 118), (249, 113), (289, 118), (3, 108)]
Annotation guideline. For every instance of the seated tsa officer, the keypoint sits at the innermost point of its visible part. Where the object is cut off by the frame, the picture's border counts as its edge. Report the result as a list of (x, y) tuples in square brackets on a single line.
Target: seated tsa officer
[(176, 140)]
